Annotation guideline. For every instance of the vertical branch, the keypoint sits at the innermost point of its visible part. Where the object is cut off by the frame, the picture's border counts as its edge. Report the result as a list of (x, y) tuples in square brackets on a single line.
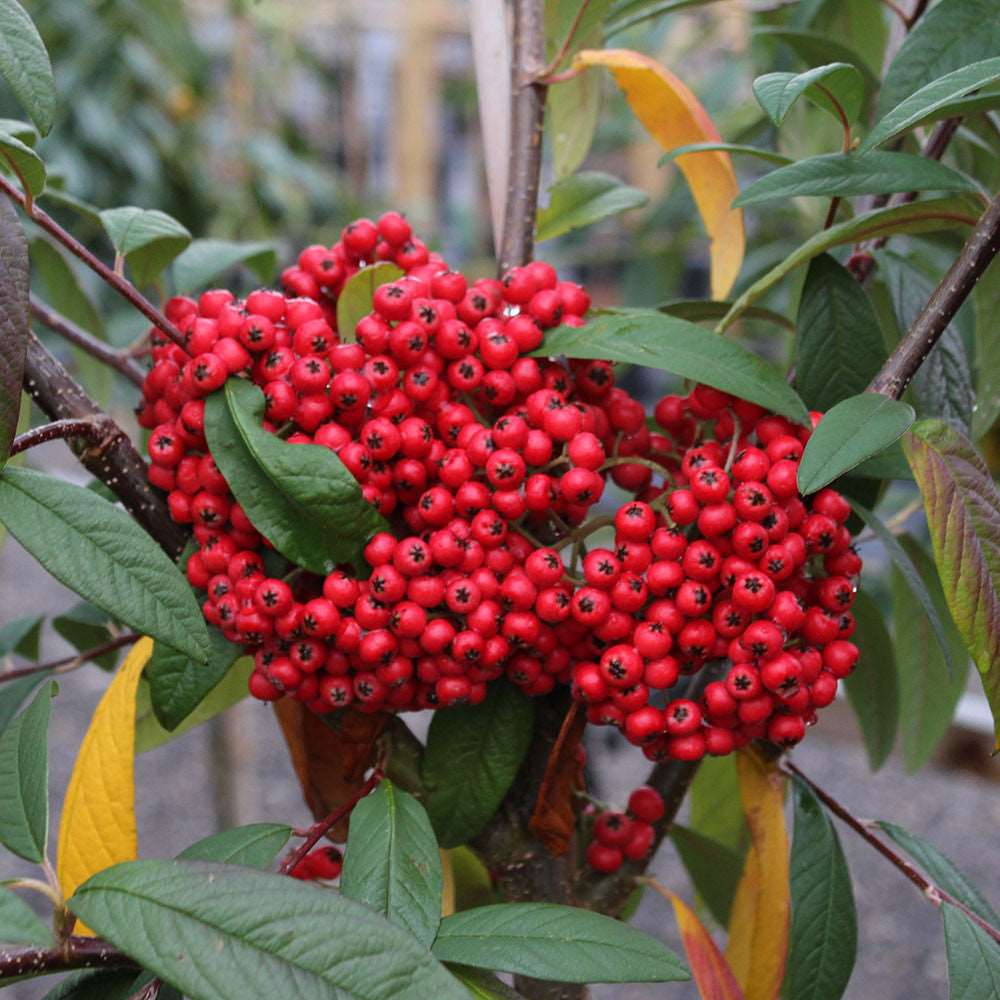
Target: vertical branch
[(526, 120)]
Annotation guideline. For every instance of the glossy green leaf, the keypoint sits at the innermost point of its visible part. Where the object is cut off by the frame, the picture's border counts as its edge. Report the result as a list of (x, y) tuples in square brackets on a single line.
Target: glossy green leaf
[(650, 338), (922, 104), (190, 924), (627, 15), (699, 310), (851, 432), (561, 943), (255, 845), (839, 347), (19, 924), (888, 464), (716, 811), (24, 779), (873, 686), (199, 264), (583, 199), (392, 862), (963, 516), (22, 131), (838, 88), (942, 871), (481, 984), (149, 734), (355, 299), (299, 496), (824, 932), (814, 47), (916, 217), (952, 34), (973, 957), (486, 744), (14, 324), (97, 550), (85, 627), (177, 684), (909, 572), (928, 691), (714, 868), (25, 66), (20, 159), (733, 148), (148, 239), (845, 175)]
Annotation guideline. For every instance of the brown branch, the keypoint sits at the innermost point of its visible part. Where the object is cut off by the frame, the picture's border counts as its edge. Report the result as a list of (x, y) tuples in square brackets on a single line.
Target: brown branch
[(527, 118), (933, 892), (68, 330), (74, 953), (93, 430), (124, 288), (980, 248), (114, 461), (67, 663), (320, 828), (898, 11), (918, 10)]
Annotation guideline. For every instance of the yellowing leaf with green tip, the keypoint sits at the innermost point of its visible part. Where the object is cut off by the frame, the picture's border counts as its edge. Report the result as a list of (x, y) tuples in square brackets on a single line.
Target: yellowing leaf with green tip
[(98, 829), (674, 117), (759, 922)]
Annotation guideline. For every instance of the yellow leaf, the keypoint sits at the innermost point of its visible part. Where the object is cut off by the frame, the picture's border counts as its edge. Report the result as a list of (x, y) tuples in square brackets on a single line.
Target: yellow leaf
[(98, 818), (758, 924), (674, 117), (448, 889)]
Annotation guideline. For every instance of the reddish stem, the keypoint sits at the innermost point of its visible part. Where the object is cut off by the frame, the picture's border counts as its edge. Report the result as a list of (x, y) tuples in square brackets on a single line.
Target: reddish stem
[(67, 663), (56, 431)]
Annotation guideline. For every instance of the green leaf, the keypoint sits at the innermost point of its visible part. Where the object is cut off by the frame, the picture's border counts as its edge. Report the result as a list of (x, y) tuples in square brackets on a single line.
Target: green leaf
[(255, 845), (205, 260), (392, 863), (177, 685), (963, 516), (913, 579), (29, 165), (561, 943), (299, 496), (22, 131), (149, 734), (699, 310), (954, 33), (650, 338), (928, 690), (97, 550), (13, 694), (839, 347), (854, 430), (888, 464), (849, 174), (25, 65), (813, 47), (24, 779), (916, 217), (190, 924), (484, 743), (481, 984), (582, 200), (61, 288), (99, 984), (986, 295), (873, 686), (838, 88), (920, 105), (733, 148), (973, 957), (628, 15), (148, 239), (355, 299), (715, 869), (21, 636), (823, 941), (14, 326), (85, 627), (716, 811), (19, 924), (942, 871)]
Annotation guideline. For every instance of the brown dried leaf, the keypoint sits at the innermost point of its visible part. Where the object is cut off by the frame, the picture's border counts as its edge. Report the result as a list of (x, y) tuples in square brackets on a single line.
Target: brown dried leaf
[(554, 816)]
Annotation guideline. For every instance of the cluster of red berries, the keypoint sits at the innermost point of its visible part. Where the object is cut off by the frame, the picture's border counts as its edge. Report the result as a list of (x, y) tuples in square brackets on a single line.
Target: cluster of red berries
[(488, 462), (625, 836), (324, 863)]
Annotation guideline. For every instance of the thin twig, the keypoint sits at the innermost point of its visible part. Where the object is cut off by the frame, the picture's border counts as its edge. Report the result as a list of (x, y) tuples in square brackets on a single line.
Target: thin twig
[(320, 828), (68, 330), (567, 41), (933, 892), (67, 663), (527, 117), (980, 248), (74, 953), (918, 9), (57, 430), (124, 288), (898, 11)]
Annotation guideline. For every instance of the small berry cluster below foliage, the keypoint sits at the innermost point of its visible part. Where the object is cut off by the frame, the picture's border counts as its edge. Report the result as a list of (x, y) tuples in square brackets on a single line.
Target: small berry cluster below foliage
[(625, 836), (489, 464)]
